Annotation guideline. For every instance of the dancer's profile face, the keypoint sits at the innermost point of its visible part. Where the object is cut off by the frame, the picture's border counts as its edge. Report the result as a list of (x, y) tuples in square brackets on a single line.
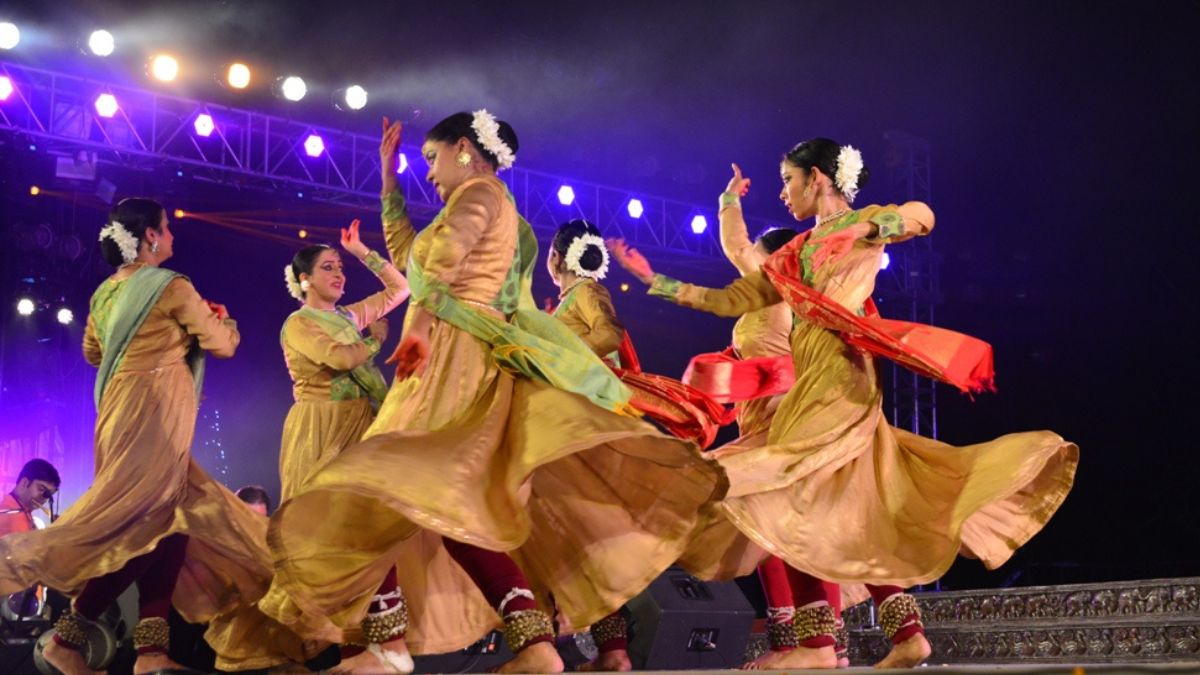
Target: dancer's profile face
[(795, 181), (445, 173), (327, 280)]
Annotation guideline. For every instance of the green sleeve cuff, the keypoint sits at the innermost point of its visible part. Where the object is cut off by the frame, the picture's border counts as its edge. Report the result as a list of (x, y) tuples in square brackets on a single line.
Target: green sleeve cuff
[(373, 346), (730, 200), (393, 206), (374, 262), (890, 224), (665, 287)]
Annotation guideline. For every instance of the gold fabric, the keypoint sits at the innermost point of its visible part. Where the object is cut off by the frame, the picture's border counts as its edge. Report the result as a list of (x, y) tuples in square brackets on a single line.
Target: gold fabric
[(470, 452), (840, 494), (147, 486), (317, 426), (590, 314)]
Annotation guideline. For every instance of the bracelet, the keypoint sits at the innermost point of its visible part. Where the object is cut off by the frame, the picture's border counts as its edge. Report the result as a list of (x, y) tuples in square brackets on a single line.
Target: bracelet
[(729, 200)]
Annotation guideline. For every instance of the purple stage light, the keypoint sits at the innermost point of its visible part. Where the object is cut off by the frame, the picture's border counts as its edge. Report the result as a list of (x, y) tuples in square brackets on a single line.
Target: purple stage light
[(401, 163), (635, 208), (204, 124), (6, 88), (106, 105), (566, 195), (314, 145), (885, 261), (699, 224)]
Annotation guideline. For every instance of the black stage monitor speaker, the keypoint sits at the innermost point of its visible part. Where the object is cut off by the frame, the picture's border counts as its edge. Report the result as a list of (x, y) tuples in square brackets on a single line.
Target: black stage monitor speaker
[(683, 623), (478, 658)]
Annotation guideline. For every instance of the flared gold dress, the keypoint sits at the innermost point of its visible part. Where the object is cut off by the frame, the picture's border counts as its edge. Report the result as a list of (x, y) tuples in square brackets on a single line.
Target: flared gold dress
[(330, 410), (147, 486), (839, 493), (458, 450)]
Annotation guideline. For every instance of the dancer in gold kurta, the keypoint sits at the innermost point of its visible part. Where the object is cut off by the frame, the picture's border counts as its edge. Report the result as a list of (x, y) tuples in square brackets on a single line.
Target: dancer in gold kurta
[(494, 401), (152, 515), (836, 492)]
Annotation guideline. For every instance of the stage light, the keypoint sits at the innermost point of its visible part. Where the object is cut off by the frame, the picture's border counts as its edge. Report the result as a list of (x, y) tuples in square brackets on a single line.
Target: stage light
[(304, 234), (101, 43), (35, 190), (885, 261), (204, 124), (314, 145), (635, 208), (10, 35), (25, 307), (624, 287), (238, 76), (355, 97), (566, 195), (699, 224), (6, 88), (401, 164), (106, 105), (65, 316), (293, 88), (164, 68), (179, 213)]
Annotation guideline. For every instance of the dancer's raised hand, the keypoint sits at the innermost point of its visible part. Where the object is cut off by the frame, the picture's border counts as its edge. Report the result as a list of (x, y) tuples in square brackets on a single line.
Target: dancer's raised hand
[(738, 185), (352, 242), (629, 258)]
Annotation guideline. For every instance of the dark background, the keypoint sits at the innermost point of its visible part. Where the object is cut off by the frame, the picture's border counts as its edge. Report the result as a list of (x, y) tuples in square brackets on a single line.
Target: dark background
[(1064, 146)]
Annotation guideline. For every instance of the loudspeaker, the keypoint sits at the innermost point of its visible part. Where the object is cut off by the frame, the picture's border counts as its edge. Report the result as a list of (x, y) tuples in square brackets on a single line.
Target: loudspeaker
[(683, 623), (480, 657)]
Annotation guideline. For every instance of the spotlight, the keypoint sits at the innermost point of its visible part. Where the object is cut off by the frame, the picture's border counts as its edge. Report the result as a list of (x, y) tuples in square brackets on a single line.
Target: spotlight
[(355, 97), (635, 208), (566, 195), (25, 307), (401, 164), (238, 76), (65, 316), (204, 124), (624, 287), (314, 145), (10, 36), (35, 190), (106, 105), (6, 88), (699, 224), (293, 88), (101, 43), (179, 213), (304, 234), (885, 262), (164, 68)]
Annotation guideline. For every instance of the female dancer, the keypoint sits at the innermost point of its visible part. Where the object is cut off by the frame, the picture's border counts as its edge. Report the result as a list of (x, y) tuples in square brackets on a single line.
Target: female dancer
[(151, 511), (493, 401), (836, 492), (337, 388)]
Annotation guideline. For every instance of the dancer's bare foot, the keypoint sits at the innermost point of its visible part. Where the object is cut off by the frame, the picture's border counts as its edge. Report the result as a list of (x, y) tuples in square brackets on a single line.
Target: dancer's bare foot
[(389, 658), (907, 654), (768, 661), (540, 657), (615, 661), (67, 661), (806, 657), (148, 663), (843, 662)]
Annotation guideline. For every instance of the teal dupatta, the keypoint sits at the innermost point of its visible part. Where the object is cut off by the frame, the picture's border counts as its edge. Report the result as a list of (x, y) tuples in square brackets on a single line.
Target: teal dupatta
[(117, 325), (534, 344)]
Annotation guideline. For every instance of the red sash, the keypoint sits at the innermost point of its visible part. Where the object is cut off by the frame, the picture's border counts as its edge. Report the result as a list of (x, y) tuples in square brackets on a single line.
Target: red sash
[(728, 379)]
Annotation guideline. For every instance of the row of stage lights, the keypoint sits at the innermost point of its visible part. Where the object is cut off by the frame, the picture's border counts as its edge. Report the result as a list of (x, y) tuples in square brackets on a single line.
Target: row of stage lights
[(26, 307), (166, 68)]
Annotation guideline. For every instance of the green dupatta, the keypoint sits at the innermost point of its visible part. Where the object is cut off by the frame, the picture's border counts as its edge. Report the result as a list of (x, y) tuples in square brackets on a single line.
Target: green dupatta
[(116, 325), (534, 344), (342, 330)]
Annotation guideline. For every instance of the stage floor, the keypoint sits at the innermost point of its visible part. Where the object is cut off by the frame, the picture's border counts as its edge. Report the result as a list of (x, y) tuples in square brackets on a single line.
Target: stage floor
[(1007, 669)]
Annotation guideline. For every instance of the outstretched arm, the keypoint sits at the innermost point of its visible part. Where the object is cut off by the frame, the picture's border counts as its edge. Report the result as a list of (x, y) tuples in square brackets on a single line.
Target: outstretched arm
[(747, 294), (398, 230), (735, 238), (395, 286)]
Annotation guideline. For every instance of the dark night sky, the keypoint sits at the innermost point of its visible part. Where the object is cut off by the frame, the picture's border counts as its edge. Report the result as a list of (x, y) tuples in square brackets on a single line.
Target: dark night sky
[(1064, 152)]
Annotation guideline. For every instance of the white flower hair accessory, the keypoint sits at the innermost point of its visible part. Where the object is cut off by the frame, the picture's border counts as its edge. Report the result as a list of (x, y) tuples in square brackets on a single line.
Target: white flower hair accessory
[(123, 238), (849, 166), (575, 253), (487, 130), (294, 287)]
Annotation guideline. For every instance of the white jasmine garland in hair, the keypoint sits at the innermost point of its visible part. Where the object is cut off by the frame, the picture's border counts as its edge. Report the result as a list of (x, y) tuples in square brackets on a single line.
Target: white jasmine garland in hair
[(487, 131), (123, 238), (575, 253), (849, 166), (294, 288)]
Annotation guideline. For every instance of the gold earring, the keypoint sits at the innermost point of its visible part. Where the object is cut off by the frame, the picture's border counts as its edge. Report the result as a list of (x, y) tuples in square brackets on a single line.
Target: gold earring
[(463, 159)]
